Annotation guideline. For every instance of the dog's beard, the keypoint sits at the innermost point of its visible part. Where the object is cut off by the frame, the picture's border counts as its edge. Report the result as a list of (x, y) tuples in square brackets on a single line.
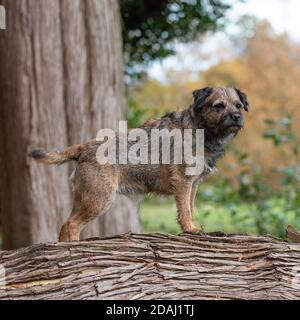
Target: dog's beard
[(233, 129), (224, 132), (227, 127)]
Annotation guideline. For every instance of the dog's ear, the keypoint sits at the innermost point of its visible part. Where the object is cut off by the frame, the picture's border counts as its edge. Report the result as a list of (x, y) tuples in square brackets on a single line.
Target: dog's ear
[(243, 98), (200, 97)]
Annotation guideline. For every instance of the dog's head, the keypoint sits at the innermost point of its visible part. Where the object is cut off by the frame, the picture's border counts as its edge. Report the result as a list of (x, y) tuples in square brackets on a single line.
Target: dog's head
[(220, 109)]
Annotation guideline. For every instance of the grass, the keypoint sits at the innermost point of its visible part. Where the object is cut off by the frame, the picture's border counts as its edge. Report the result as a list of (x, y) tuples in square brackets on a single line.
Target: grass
[(159, 215)]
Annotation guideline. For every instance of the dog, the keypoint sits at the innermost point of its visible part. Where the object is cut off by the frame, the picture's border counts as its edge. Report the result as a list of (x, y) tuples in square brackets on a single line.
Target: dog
[(218, 111)]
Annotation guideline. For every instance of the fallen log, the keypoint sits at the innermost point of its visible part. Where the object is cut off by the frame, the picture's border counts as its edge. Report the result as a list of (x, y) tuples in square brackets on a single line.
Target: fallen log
[(155, 266)]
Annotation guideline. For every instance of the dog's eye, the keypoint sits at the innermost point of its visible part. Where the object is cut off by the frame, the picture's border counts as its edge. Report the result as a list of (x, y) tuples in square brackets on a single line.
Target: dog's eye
[(219, 106), (238, 105)]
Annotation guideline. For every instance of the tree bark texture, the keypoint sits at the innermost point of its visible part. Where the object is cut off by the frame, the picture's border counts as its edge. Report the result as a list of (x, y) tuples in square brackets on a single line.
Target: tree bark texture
[(155, 267), (61, 80)]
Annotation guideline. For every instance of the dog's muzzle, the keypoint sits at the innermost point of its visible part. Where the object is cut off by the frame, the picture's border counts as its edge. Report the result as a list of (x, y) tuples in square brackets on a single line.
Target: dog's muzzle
[(233, 121)]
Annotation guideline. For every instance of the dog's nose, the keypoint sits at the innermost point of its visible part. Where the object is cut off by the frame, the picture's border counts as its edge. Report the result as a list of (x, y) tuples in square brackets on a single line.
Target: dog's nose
[(236, 117)]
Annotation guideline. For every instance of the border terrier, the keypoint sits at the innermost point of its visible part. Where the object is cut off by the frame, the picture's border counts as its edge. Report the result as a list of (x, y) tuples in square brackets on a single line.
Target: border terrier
[(218, 111)]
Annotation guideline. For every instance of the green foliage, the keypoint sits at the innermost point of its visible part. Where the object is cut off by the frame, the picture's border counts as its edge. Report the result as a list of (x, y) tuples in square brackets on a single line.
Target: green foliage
[(135, 115), (280, 131), (266, 217), (150, 27)]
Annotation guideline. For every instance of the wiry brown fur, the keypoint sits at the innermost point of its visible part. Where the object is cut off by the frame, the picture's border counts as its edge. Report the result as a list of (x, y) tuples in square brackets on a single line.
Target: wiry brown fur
[(216, 110)]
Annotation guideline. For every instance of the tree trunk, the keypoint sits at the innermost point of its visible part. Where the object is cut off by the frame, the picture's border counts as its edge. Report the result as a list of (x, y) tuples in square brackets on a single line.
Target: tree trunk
[(155, 267), (61, 80)]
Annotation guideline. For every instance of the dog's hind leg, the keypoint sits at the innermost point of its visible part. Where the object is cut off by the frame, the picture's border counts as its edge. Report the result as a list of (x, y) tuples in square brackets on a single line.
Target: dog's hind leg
[(95, 197)]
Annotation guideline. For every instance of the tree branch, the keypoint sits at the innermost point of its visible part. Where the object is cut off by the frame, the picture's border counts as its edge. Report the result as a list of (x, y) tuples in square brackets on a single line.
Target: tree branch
[(155, 267)]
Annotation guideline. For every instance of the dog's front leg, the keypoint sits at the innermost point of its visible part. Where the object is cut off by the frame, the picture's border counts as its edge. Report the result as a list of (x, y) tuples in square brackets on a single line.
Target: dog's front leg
[(184, 207), (192, 200)]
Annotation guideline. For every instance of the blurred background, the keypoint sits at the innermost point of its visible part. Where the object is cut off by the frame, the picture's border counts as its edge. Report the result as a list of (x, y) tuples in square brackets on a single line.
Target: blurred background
[(255, 46), (68, 68)]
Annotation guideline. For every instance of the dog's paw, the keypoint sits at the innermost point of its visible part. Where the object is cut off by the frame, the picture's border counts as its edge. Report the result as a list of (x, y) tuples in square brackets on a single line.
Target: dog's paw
[(195, 231)]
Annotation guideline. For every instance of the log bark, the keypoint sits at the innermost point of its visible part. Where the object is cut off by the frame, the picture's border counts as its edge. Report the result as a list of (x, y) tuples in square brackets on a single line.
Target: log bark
[(293, 234), (61, 80), (155, 266)]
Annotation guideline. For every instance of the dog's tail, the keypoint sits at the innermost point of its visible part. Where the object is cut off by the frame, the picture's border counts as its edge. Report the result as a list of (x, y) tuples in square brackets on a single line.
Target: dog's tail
[(71, 153)]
